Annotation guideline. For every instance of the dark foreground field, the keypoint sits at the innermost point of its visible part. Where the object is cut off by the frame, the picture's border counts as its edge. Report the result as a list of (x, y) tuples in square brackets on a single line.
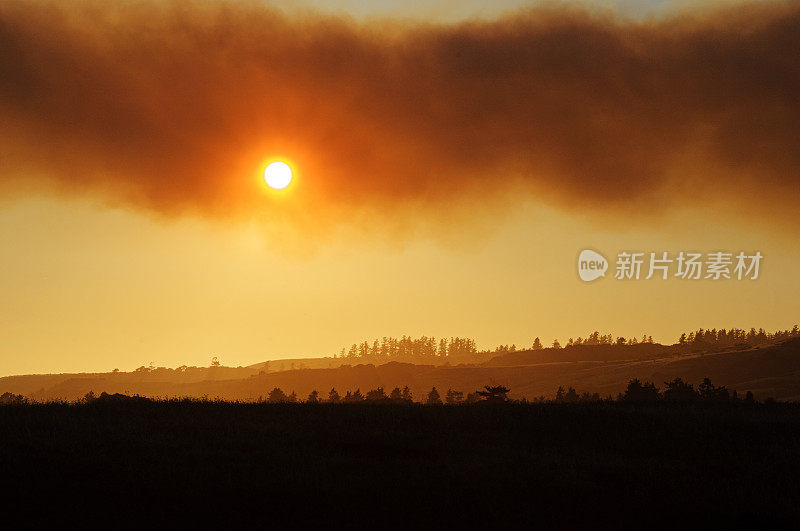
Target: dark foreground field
[(120, 464)]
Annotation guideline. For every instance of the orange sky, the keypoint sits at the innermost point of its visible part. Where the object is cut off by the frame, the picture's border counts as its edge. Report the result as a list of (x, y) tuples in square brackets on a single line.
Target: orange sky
[(447, 175)]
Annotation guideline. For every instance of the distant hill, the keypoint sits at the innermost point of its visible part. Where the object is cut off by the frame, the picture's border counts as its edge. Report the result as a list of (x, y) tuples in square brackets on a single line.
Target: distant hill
[(605, 369), (641, 351)]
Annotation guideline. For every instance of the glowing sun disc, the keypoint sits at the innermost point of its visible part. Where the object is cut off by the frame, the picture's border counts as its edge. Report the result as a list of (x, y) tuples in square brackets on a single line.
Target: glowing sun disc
[(278, 175)]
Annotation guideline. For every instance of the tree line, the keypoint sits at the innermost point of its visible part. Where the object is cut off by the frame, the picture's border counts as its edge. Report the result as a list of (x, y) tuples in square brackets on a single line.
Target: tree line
[(676, 390), (431, 349), (637, 391), (424, 347), (736, 336), (497, 393)]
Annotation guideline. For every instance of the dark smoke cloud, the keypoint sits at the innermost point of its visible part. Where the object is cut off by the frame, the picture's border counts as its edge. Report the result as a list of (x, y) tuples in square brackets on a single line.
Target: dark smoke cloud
[(173, 107)]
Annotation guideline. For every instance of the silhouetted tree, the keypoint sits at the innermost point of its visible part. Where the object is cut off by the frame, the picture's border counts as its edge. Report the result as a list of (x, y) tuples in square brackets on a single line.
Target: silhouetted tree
[(292, 397), (679, 391), (276, 395), (454, 397), (537, 345), (572, 396), (433, 397), (586, 397), (353, 397), (407, 396), (313, 397), (376, 395), (333, 396), (708, 392), (641, 392), (396, 395), (497, 393)]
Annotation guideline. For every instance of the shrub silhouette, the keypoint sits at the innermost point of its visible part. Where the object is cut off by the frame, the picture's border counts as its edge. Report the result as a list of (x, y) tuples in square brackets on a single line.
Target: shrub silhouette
[(353, 397), (376, 395), (453, 397), (407, 396), (497, 393), (587, 397), (679, 391), (708, 392), (333, 396), (641, 392), (276, 396), (396, 395), (568, 397), (11, 399), (433, 397), (473, 397)]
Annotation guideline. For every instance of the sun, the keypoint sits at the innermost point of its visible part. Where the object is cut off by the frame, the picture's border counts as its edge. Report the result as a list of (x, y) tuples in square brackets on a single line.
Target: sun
[(278, 175)]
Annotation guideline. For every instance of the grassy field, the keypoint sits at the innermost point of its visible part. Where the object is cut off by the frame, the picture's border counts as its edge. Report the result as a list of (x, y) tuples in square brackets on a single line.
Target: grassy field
[(555, 465)]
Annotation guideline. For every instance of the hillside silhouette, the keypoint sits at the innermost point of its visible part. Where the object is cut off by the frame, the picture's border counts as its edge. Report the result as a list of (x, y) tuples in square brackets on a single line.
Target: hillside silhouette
[(768, 366)]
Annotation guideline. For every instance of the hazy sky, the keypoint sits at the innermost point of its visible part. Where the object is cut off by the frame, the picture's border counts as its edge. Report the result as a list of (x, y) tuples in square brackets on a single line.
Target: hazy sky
[(115, 251), (458, 10)]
